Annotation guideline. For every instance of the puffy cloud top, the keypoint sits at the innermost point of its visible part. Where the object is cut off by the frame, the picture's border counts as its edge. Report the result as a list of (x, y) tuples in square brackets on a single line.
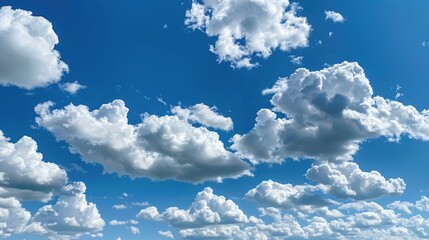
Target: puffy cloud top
[(165, 147), (24, 174), (205, 115), (328, 113), (334, 16), (207, 209), (28, 58), (71, 216), (246, 28)]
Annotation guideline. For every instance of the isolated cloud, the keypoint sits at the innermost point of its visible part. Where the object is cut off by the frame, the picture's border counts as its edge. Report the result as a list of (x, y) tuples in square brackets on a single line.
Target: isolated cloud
[(347, 180), (207, 209), (328, 114), (28, 59), (204, 115), (115, 222), (72, 87), (248, 28), (165, 147), (334, 16), (287, 196), (166, 234), (24, 174), (71, 216)]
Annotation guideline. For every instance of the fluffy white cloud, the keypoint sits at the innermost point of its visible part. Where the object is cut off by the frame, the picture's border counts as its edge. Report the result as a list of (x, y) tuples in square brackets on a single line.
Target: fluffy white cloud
[(115, 222), (166, 234), (347, 180), (165, 147), (13, 218), (24, 174), (215, 232), (134, 230), (249, 28), (204, 115), (28, 59), (71, 216), (334, 16), (296, 60), (287, 196), (403, 206), (423, 204), (72, 87), (328, 114), (207, 209), (119, 207)]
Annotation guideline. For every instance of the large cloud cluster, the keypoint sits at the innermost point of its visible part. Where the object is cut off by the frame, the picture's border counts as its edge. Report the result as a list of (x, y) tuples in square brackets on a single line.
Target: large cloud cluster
[(353, 220), (328, 113), (249, 27), (28, 59), (161, 147), (25, 176)]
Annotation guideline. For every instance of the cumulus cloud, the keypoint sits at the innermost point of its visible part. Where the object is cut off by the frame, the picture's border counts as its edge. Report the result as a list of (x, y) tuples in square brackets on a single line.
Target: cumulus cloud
[(134, 230), (296, 60), (72, 87), (327, 114), (71, 216), (24, 174), (287, 196), (28, 58), (207, 209), (165, 147), (352, 220), (204, 115), (249, 28), (334, 16), (119, 207), (115, 222), (347, 180), (166, 234), (423, 204), (13, 218)]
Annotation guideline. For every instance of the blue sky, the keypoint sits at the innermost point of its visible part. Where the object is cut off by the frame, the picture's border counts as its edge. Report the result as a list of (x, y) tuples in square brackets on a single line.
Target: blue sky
[(155, 58)]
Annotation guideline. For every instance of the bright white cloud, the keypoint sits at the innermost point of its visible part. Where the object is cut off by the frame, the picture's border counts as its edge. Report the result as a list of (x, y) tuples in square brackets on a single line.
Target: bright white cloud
[(13, 218), (207, 209), (71, 216), (423, 204), (28, 59), (119, 207), (329, 113), (403, 206), (134, 230), (296, 60), (204, 115), (72, 87), (287, 196), (115, 222), (166, 234), (165, 147), (347, 180), (334, 16), (24, 174), (247, 28)]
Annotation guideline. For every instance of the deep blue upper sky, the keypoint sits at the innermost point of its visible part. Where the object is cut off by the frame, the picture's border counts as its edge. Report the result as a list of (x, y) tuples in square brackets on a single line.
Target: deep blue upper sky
[(121, 50)]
